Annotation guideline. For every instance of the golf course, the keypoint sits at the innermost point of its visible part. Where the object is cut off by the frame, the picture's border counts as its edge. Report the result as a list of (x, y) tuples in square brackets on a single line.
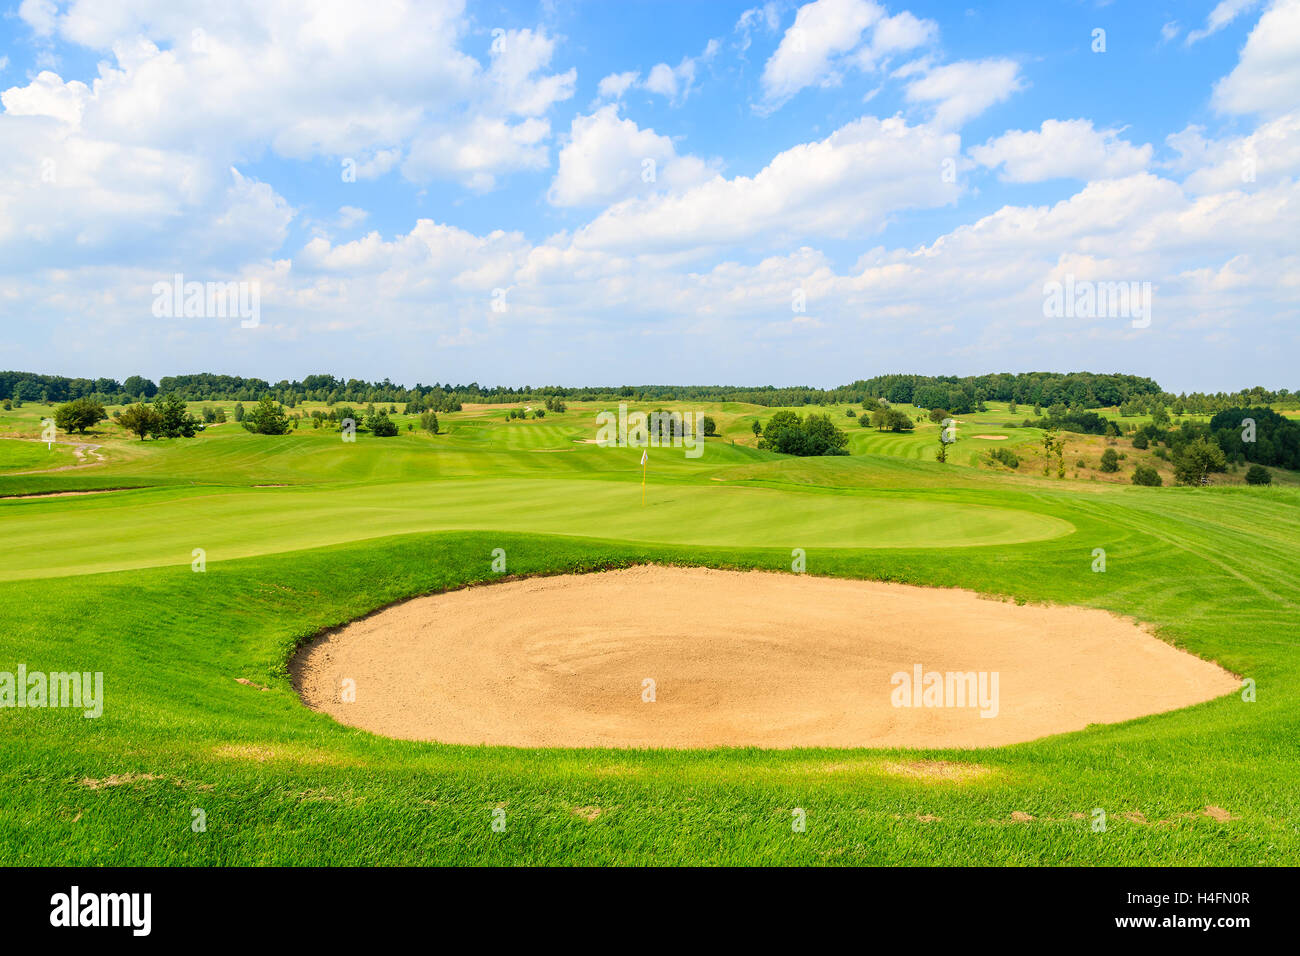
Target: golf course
[(191, 571)]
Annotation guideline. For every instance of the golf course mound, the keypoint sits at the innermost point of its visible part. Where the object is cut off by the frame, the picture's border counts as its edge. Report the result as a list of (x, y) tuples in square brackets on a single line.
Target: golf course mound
[(672, 657)]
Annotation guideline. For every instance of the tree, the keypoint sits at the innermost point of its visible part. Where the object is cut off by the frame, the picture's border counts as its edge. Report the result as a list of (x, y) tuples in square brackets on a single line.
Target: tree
[(1146, 475), (1196, 459), (1258, 475), (757, 428), (140, 387), (267, 418), (938, 414), (786, 433), (239, 411), (175, 421), (429, 422), (1110, 460), (1140, 441), (1159, 416), (141, 419), (710, 426), (79, 414)]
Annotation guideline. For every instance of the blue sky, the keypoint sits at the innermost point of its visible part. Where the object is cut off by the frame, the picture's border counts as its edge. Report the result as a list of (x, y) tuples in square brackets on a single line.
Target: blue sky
[(913, 176)]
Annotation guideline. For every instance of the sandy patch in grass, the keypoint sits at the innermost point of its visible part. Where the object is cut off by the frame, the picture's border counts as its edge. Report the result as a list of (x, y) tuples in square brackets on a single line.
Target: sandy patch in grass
[(736, 659), (66, 494), (119, 780), (937, 770), (264, 753), (992, 437)]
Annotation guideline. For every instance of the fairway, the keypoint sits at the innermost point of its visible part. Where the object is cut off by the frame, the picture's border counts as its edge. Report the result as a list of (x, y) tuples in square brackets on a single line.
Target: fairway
[(200, 709)]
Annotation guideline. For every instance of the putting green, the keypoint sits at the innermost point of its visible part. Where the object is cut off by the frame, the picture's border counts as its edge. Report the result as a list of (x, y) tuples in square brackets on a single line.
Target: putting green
[(156, 527)]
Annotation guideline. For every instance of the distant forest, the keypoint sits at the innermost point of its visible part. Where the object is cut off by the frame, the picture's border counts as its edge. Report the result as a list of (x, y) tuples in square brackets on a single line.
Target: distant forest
[(1075, 390)]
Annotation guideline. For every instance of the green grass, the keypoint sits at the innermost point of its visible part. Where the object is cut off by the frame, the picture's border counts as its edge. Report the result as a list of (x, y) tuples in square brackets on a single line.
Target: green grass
[(103, 583)]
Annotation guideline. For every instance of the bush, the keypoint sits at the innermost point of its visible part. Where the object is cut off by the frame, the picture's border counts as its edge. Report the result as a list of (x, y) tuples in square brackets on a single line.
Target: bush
[(1005, 456), (1258, 475), (710, 426), (1109, 460), (429, 422), (1146, 475), (380, 425)]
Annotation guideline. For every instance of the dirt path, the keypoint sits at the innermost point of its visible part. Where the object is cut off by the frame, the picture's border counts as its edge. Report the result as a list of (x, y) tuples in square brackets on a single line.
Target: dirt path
[(80, 449), (692, 657)]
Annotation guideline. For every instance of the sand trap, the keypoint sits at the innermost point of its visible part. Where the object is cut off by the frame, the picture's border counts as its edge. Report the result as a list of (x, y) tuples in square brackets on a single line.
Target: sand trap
[(992, 437), (737, 658)]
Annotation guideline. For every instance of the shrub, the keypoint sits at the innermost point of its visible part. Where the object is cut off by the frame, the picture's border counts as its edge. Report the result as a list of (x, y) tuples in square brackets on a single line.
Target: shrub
[(1258, 475), (1005, 456), (381, 425), (1146, 475), (429, 422), (1109, 460), (710, 426)]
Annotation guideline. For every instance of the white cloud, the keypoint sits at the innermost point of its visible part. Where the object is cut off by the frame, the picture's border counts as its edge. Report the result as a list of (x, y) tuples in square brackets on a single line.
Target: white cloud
[(350, 216), (963, 90), (1266, 79), (768, 16), (615, 85), (308, 80), (476, 154), (672, 82), (846, 184), (822, 31), (1263, 157), (1062, 149), (1223, 13), (1169, 31), (609, 158)]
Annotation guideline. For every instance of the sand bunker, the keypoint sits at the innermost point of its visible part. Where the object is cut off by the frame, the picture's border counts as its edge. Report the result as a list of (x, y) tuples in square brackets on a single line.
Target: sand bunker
[(693, 657)]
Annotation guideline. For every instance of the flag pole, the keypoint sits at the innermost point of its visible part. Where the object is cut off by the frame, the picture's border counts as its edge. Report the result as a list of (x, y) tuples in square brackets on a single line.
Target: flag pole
[(645, 457)]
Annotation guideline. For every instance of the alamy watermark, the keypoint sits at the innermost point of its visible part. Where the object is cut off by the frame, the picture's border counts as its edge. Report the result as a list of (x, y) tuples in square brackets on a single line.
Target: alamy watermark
[(175, 298), (81, 691), (658, 429), (1085, 299), (923, 688)]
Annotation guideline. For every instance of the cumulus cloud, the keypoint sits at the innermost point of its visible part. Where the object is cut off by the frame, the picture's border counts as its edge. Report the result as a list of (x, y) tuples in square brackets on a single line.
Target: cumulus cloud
[(822, 31), (1266, 79), (846, 184), (609, 158), (345, 81), (1069, 149)]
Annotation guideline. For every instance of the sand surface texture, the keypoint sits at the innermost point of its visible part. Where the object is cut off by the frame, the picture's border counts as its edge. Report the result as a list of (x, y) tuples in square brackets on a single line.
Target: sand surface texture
[(736, 659)]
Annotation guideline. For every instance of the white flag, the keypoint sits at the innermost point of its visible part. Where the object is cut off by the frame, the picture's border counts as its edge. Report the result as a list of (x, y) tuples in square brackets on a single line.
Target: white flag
[(645, 456)]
